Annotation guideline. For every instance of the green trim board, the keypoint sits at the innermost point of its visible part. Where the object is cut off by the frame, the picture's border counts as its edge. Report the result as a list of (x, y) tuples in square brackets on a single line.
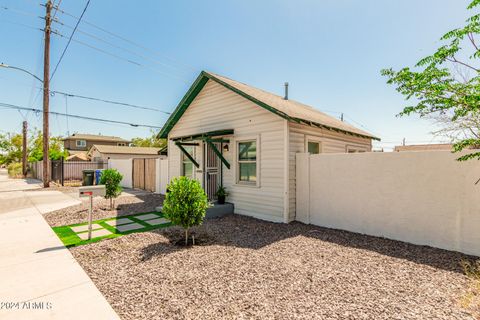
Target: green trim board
[(202, 136), (70, 238), (198, 85)]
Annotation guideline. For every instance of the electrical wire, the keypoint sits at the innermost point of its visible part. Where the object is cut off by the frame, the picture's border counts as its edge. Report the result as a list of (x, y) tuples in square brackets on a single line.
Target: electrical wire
[(191, 68), (72, 95), (115, 46), (69, 39), (11, 106), (119, 57)]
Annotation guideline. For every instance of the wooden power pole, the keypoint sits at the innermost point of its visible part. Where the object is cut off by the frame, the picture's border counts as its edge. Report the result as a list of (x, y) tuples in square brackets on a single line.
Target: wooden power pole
[(24, 149), (46, 93)]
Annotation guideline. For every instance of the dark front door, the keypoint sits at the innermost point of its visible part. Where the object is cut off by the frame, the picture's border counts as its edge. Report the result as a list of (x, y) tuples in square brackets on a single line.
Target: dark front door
[(213, 171), (57, 171)]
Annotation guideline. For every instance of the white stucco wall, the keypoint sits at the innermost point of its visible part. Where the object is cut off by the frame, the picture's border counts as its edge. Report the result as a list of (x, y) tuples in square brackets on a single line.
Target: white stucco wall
[(425, 198), (124, 166)]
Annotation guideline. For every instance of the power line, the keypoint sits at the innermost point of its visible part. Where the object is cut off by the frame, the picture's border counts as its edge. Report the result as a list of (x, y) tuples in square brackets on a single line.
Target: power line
[(109, 101), (191, 68), (72, 95), (118, 47), (11, 106), (119, 57), (69, 39)]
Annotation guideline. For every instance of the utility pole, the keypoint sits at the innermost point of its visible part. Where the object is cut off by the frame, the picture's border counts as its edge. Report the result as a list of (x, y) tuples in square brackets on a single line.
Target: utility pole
[(24, 149), (46, 93)]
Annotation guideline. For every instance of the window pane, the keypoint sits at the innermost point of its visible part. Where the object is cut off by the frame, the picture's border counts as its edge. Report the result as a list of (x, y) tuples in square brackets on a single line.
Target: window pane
[(247, 150), (188, 169), (313, 147), (190, 152), (248, 172)]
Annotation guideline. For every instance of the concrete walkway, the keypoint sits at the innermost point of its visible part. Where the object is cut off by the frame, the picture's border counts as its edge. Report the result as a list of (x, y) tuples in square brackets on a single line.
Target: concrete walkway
[(40, 279)]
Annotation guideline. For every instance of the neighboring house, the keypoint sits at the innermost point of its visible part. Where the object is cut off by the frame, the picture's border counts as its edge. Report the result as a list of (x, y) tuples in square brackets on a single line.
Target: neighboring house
[(224, 132), (425, 147), (105, 152), (79, 142)]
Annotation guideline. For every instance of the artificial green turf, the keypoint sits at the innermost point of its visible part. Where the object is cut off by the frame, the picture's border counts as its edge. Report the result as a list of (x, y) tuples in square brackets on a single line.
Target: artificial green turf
[(71, 239)]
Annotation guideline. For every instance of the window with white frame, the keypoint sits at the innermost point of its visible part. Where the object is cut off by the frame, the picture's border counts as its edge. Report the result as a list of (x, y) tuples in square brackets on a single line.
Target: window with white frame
[(247, 162), (81, 143), (187, 165)]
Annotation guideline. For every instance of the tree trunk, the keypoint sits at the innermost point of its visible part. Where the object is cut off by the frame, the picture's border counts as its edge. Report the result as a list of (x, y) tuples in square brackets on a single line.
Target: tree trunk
[(111, 203), (186, 236)]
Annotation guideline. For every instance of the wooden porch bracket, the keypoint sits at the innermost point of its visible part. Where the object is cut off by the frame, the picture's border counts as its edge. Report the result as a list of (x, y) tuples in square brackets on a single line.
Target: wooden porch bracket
[(180, 146)]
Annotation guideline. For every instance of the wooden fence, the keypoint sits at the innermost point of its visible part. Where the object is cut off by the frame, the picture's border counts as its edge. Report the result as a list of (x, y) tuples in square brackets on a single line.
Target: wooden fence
[(144, 174), (65, 170)]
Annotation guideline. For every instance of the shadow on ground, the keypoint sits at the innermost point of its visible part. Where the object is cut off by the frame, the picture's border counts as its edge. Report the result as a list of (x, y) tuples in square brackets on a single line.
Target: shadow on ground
[(250, 233)]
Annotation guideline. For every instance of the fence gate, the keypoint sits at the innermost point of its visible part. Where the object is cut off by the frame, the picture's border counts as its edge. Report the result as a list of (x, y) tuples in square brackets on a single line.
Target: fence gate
[(144, 174), (57, 171)]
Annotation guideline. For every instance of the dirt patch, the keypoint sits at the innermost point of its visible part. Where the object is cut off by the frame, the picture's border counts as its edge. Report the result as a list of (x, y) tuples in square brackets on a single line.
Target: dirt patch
[(124, 205), (250, 269)]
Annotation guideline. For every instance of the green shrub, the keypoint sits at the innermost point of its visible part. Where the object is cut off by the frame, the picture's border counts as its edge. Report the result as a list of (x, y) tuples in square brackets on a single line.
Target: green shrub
[(111, 178), (185, 203), (14, 169)]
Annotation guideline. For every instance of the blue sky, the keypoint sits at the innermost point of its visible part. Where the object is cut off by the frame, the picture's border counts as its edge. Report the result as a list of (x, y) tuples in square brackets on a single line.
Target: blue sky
[(331, 52)]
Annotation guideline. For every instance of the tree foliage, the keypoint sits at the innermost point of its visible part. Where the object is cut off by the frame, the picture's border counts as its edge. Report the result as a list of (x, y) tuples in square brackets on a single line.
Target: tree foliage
[(151, 141), (111, 178), (11, 145), (433, 88), (185, 203)]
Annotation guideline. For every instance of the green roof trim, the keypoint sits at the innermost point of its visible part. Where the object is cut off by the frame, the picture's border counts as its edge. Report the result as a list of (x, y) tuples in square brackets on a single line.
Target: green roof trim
[(198, 85)]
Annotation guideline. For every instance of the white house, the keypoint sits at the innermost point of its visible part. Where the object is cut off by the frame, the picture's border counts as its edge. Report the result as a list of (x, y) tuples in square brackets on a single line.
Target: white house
[(224, 132)]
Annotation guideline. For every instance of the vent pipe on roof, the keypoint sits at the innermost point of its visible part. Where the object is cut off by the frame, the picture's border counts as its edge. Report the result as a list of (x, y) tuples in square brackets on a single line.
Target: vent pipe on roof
[(286, 91)]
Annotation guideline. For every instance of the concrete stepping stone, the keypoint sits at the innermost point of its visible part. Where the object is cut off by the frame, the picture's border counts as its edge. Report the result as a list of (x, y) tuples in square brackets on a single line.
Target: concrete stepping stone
[(148, 216), (95, 234), (118, 222), (95, 226), (157, 221), (128, 227)]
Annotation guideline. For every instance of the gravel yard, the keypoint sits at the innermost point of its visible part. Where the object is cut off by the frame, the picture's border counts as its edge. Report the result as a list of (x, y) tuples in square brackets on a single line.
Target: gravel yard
[(125, 205), (250, 269)]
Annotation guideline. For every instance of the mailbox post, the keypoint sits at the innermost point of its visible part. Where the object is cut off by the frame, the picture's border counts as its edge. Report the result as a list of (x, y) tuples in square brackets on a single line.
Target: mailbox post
[(91, 191)]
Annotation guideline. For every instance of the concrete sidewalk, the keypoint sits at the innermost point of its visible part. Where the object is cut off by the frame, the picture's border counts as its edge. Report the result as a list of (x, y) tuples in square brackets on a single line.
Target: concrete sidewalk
[(40, 279), (8, 185)]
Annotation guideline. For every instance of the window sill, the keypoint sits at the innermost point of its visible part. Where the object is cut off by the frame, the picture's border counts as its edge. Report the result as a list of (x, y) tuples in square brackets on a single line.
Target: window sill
[(247, 185)]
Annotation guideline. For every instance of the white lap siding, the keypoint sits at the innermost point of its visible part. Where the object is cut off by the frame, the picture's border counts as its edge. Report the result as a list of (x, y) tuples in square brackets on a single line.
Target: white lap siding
[(217, 108), (331, 142)]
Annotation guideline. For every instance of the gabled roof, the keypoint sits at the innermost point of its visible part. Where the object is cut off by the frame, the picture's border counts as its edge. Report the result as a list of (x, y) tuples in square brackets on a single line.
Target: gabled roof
[(125, 149), (94, 137), (288, 109)]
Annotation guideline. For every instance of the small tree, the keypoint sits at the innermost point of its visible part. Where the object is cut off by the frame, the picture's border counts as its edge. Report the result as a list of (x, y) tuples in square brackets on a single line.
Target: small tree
[(435, 89), (185, 203), (111, 178)]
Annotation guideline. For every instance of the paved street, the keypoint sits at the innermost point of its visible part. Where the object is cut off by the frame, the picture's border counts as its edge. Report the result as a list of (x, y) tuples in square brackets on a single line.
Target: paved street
[(39, 277)]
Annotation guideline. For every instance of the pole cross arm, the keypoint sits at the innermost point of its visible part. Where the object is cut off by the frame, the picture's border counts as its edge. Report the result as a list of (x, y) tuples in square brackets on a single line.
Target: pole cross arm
[(185, 152), (218, 153)]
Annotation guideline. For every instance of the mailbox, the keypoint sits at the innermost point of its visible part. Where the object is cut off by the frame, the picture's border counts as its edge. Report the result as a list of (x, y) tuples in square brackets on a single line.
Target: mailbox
[(94, 191)]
